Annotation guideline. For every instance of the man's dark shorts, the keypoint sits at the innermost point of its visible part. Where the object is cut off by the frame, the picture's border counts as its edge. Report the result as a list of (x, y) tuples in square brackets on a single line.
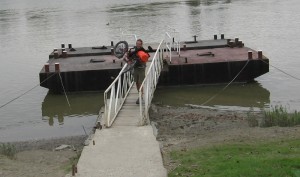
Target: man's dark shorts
[(139, 75)]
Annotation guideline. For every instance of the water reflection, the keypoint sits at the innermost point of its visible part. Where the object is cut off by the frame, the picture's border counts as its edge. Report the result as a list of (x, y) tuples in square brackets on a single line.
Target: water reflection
[(6, 15), (195, 3), (7, 19), (241, 95), (55, 107), (139, 8)]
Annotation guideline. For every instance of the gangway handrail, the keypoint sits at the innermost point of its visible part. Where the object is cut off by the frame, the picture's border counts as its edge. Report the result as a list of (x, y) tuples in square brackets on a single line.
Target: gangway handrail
[(148, 86), (117, 93), (120, 87)]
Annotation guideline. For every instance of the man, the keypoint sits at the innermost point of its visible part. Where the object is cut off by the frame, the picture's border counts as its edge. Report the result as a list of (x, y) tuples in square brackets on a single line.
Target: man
[(140, 66)]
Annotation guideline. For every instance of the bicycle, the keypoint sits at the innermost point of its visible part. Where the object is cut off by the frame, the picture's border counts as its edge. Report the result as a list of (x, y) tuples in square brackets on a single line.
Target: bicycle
[(121, 51)]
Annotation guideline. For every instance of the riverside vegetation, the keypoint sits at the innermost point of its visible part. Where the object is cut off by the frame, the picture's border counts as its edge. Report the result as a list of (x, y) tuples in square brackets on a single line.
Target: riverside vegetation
[(201, 142), (280, 158), (279, 116), (195, 142), (8, 150)]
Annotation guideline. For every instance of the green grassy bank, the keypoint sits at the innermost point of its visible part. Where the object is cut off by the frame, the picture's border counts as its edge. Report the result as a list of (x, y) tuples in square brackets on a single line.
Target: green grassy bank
[(281, 158)]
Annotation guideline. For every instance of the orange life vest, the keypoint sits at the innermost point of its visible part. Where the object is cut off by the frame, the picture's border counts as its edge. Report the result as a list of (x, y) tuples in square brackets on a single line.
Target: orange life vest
[(143, 56)]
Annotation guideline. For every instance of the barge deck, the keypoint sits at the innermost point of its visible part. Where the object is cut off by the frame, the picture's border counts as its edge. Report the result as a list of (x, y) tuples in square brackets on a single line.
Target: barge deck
[(199, 62)]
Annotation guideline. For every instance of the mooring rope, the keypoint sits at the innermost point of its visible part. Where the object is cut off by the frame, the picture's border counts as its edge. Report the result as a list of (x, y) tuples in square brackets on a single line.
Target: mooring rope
[(64, 90), (281, 70), (26, 91), (211, 98)]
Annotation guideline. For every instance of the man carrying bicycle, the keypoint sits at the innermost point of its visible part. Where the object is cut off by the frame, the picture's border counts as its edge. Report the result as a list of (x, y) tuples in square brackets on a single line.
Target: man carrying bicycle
[(141, 56)]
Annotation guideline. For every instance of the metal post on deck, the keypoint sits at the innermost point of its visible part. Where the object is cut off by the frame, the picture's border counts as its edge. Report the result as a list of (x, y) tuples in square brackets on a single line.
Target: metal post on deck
[(47, 67), (240, 44), (259, 54), (195, 38), (250, 55), (57, 69), (56, 54), (64, 54), (222, 36), (236, 40), (112, 51), (231, 44)]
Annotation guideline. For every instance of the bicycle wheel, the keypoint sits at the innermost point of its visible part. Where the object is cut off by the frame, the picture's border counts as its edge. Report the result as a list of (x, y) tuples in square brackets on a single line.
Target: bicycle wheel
[(120, 49)]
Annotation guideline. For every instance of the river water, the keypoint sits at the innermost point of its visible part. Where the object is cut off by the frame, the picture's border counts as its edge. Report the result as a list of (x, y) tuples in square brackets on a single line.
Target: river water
[(30, 29)]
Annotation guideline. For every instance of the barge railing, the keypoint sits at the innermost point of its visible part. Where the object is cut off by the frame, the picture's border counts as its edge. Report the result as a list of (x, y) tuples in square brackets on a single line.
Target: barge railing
[(125, 37), (115, 95), (148, 86), (174, 34), (168, 42)]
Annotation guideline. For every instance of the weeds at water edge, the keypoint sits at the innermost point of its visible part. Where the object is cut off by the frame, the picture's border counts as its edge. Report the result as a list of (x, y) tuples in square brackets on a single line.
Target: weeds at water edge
[(279, 116), (8, 150), (72, 161), (252, 118)]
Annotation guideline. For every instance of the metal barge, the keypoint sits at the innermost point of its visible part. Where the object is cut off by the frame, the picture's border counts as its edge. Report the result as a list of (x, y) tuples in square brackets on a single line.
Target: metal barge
[(198, 62)]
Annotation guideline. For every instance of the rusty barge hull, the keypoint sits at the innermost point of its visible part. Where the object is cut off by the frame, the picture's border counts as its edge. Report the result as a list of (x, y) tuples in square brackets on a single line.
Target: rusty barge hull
[(200, 62), (211, 66)]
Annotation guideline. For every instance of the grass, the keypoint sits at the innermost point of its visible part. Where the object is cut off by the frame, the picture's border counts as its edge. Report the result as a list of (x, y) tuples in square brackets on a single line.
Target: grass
[(72, 161), (250, 160), (8, 150), (252, 118), (279, 116)]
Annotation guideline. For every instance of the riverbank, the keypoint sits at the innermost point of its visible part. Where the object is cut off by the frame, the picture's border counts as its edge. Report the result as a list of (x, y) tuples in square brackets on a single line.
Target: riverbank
[(178, 129), (37, 158), (184, 128)]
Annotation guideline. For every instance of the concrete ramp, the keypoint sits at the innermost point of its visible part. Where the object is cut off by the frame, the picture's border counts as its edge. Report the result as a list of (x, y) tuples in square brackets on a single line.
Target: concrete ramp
[(123, 151)]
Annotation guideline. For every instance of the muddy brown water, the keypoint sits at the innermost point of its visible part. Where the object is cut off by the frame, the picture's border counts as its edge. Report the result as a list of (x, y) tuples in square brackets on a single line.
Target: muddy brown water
[(30, 29)]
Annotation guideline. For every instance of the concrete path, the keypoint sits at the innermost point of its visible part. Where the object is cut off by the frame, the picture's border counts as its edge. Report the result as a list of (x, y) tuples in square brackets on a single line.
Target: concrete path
[(125, 149)]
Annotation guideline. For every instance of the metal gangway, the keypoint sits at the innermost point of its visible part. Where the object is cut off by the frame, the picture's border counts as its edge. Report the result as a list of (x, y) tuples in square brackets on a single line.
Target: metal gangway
[(130, 146), (120, 96)]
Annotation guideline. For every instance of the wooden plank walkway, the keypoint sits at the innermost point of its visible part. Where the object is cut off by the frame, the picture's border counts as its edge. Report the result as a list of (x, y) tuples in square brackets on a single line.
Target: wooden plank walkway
[(130, 112)]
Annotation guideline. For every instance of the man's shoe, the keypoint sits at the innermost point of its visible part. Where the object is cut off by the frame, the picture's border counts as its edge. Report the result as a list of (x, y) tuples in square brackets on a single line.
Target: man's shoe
[(137, 101)]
